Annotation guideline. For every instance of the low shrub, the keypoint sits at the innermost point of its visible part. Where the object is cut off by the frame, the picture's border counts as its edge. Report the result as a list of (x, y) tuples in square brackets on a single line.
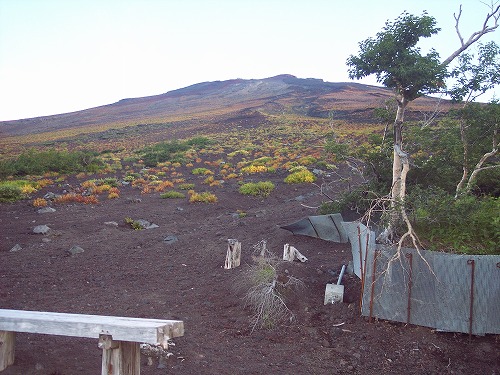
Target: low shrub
[(186, 186), (204, 197), (172, 194), (39, 202), (468, 225), (202, 171), (252, 169), (33, 162), (10, 193), (301, 176), (15, 190), (261, 188), (76, 198), (163, 185)]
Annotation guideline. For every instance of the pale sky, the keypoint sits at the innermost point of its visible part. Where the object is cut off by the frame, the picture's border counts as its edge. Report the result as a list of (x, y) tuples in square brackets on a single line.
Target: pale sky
[(59, 56)]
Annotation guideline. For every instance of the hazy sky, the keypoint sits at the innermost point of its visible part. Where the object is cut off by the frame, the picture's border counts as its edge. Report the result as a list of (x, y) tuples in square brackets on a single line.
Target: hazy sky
[(59, 56)]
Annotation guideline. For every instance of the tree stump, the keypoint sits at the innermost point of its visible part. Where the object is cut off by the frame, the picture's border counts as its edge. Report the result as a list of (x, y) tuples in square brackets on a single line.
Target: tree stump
[(233, 255)]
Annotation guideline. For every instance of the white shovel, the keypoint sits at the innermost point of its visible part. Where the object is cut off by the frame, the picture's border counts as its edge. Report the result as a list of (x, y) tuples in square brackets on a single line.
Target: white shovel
[(335, 292)]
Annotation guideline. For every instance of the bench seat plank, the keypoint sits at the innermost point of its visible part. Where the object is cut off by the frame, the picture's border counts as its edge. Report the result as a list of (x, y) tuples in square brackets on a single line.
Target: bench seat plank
[(153, 331)]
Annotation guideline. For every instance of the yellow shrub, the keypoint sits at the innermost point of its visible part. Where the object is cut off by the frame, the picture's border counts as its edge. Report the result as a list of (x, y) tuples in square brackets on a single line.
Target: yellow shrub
[(163, 186), (205, 197), (27, 189), (300, 176), (39, 202), (251, 169)]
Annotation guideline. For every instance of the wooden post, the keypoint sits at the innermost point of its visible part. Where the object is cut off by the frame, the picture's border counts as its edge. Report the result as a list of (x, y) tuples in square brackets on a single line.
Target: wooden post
[(233, 255), (119, 357), (288, 253), (7, 349)]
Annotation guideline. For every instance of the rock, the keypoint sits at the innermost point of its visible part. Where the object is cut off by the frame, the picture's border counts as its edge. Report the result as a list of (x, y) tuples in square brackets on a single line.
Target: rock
[(46, 210), (41, 229), (134, 200), (180, 209), (146, 224), (170, 239), (50, 195), (111, 223), (75, 250), (16, 247), (46, 240)]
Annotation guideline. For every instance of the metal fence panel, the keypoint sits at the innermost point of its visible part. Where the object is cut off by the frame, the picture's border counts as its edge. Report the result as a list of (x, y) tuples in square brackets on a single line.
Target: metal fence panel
[(449, 292)]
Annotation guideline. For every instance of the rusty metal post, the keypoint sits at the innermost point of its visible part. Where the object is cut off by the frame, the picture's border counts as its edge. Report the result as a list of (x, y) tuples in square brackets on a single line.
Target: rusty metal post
[(472, 263), (409, 256), (375, 254), (361, 271)]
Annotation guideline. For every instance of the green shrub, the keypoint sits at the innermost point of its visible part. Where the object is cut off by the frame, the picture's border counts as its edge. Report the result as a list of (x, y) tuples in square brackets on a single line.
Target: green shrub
[(261, 188), (172, 151), (135, 225), (34, 162), (172, 194), (201, 171), (466, 225), (300, 176), (186, 186), (10, 193)]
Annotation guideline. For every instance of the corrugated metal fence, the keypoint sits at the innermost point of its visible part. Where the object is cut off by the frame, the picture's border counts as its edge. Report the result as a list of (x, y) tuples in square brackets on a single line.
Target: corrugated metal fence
[(449, 292)]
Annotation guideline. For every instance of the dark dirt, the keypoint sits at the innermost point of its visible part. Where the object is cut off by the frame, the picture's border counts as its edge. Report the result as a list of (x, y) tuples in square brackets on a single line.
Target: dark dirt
[(124, 272)]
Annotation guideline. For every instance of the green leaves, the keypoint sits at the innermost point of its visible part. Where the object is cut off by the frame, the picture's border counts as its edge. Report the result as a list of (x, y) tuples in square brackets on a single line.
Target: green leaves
[(396, 61), (475, 75)]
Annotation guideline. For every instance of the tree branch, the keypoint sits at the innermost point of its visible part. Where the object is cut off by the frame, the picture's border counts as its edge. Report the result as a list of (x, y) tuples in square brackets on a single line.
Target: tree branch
[(475, 36)]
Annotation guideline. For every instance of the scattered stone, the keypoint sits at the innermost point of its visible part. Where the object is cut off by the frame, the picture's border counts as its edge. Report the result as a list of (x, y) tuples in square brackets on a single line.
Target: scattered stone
[(46, 210), (317, 172), (134, 200), (16, 247), (146, 224), (260, 213), (50, 195), (170, 239), (75, 250), (41, 229), (111, 223)]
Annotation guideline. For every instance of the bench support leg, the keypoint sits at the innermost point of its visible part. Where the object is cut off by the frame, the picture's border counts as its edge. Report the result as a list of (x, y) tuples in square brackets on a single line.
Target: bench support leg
[(7, 344), (119, 357)]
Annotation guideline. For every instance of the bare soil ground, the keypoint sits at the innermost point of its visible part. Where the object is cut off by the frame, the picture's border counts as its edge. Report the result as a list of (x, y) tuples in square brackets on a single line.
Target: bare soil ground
[(125, 272)]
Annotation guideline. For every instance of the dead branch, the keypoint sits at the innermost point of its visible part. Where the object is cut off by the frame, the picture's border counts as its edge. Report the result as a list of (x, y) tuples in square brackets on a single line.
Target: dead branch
[(475, 36)]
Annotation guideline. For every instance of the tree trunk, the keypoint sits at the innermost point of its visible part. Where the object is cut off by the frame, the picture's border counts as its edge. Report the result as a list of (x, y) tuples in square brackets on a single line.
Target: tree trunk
[(465, 166), (400, 168)]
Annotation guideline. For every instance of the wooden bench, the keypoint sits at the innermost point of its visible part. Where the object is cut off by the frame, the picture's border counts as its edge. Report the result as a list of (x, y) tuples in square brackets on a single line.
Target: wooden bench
[(119, 337)]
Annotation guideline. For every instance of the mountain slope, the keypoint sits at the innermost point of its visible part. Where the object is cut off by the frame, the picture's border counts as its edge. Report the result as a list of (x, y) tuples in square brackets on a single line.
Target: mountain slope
[(210, 100)]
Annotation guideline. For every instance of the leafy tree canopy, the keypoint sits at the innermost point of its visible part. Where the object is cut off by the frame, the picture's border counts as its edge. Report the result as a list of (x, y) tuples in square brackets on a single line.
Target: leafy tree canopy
[(396, 60)]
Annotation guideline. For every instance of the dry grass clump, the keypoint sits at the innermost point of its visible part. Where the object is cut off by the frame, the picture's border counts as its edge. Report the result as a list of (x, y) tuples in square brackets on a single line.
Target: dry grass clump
[(265, 288)]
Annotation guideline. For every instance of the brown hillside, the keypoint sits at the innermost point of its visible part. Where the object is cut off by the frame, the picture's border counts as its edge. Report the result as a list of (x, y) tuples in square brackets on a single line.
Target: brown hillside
[(211, 102)]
